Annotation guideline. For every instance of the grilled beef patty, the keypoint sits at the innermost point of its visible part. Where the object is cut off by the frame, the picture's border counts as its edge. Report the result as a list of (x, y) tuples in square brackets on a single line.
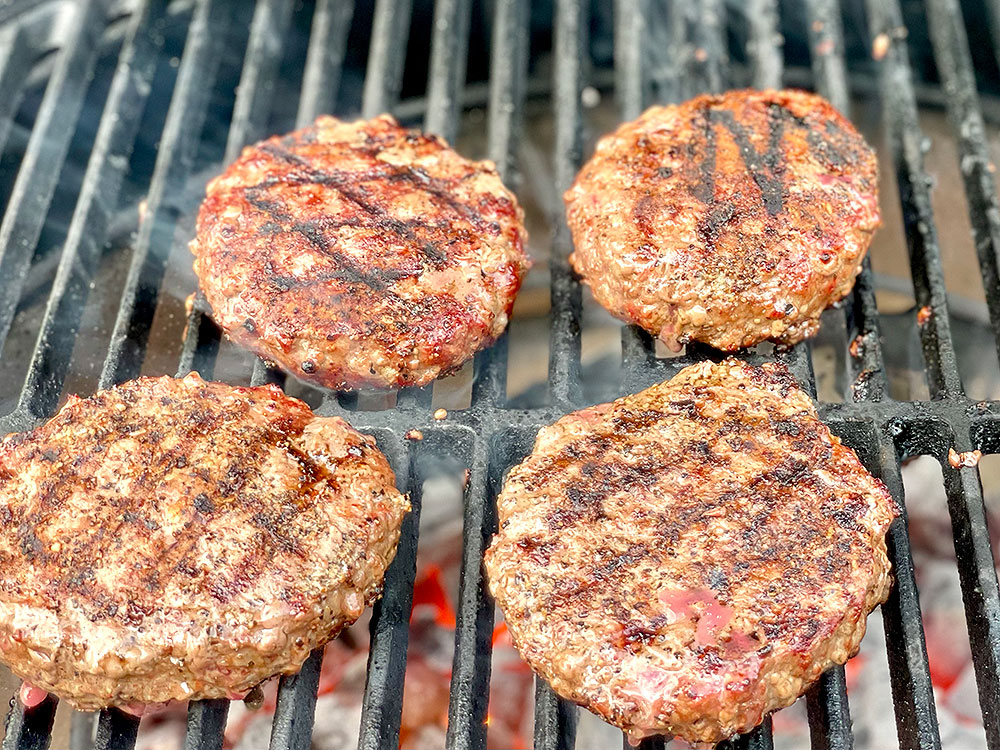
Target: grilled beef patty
[(728, 219), (173, 539), (685, 560), (360, 254)]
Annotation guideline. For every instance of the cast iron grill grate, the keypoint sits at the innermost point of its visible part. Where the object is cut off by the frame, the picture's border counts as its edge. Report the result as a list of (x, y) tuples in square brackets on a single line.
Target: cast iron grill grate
[(62, 39)]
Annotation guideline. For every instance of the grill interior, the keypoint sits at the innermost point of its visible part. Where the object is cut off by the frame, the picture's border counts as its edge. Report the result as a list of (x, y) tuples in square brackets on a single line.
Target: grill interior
[(152, 68)]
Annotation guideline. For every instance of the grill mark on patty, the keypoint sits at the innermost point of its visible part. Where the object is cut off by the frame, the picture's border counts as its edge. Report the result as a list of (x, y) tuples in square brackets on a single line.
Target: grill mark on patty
[(704, 188), (833, 148), (765, 168), (352, 271), (341, 181), (767, 491), (771, 187)]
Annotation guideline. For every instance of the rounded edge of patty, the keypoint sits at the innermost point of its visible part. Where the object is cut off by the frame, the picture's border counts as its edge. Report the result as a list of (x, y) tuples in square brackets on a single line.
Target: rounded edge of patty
[(688, 559), (173, 539), (729, 219), (360, 254)]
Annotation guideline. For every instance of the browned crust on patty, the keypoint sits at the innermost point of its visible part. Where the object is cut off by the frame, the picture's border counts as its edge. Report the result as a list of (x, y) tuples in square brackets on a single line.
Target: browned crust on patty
[(360, 254), (172, 539), (685, 560), (730, 219)]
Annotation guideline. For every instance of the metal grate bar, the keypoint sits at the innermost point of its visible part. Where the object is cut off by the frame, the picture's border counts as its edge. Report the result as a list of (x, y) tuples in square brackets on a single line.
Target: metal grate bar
[(43, 159), (262, 374), (555, 719), (508, 72), (200, 345), (254, 97), (410, 398), (637, 346), (866, 367), (383, 700), (449, 52), (255, 92), (95, 206), (708, 36), (325, 59), (978, 577), (760, 738), (629, 42), (564, 337), (993, 19), (115, 730), (650, 743), (178, 144), (638, 355), (383, 80), (471, 665), (867, 377), (829, 714), (390, 31), (827, 703), (826, 47), (954, 64), (296, 707), (15, 61), (638, 351), (764, 45), (206, 721), (909, 672), (29, 729), (490, 384), (906, 143)]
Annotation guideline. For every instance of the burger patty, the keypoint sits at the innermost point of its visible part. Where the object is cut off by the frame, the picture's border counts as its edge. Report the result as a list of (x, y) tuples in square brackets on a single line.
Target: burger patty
[(171, 539), (688, 559), (360, 254), (728, 219)]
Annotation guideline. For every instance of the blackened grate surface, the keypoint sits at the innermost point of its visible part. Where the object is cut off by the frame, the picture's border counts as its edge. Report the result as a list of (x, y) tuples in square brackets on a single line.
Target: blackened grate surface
[(163, 92)]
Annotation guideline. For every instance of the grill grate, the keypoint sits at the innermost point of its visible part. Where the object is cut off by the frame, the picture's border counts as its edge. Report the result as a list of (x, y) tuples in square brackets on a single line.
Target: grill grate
[(488, 437)]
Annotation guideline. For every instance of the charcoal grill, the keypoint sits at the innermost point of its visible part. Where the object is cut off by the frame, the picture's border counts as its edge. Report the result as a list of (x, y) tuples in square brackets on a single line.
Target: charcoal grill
[(59, 44)]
